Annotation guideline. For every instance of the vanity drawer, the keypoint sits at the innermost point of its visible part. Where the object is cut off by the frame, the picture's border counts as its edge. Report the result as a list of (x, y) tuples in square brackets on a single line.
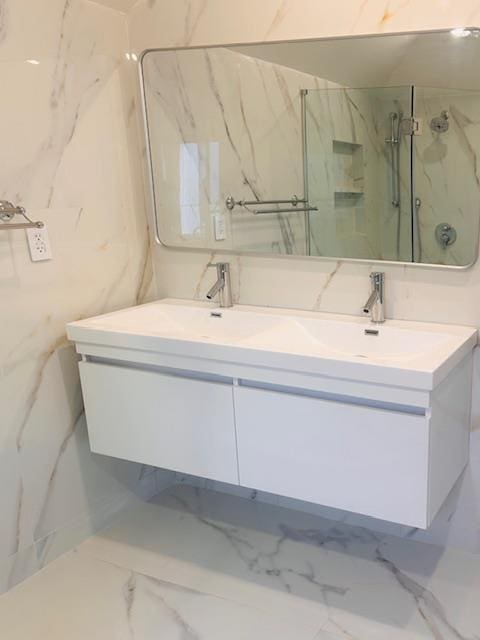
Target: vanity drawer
[(357, 458), (167, 421)]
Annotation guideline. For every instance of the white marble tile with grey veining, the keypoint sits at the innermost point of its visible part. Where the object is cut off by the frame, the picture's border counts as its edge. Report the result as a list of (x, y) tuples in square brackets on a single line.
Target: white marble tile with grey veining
[(81, 597), (347, 580)]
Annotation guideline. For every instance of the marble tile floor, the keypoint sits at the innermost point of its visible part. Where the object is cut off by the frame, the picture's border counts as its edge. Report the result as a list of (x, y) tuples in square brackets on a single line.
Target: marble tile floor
[(198, 565)]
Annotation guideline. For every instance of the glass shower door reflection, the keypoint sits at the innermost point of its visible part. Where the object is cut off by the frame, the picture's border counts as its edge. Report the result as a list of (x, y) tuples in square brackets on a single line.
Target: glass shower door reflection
[(358, 167)]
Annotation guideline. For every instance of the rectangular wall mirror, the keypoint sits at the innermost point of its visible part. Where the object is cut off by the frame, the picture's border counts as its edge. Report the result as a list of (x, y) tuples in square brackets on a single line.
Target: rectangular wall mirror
[(356, 148)]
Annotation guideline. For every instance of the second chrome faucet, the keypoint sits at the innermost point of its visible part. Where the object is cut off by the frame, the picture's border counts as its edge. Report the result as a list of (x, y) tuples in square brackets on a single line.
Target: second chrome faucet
[(375, 303), (222, 286)]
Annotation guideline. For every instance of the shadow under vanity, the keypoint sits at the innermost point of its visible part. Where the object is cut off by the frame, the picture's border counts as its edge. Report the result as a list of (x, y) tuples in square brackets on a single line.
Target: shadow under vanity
[(363, 149)]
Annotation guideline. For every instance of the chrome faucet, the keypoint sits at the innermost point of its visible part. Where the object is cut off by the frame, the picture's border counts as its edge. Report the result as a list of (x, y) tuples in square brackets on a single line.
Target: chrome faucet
[(375, 303), (223, 284)]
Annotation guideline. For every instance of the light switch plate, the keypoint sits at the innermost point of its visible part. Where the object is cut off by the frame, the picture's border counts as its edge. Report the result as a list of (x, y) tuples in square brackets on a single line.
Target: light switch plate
[(220, 226), (39, 244)]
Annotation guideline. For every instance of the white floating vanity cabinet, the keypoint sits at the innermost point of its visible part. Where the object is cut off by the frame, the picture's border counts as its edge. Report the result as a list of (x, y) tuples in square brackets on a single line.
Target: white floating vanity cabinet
[(362, 436)]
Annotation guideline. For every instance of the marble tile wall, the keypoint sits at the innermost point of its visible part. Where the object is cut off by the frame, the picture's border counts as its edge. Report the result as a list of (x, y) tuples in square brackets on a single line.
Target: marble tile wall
[(64, 155), (329, 285)]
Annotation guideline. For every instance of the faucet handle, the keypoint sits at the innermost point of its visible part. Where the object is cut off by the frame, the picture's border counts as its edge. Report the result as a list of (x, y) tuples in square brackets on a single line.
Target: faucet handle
[(377, 278)]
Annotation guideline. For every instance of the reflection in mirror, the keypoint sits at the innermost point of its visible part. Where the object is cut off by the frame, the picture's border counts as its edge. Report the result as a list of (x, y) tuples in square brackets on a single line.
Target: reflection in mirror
[(359, 148)]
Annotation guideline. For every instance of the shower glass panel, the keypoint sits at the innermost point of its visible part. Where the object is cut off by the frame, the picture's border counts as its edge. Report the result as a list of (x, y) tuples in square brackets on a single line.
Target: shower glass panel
[(358, 172), (446, 178)]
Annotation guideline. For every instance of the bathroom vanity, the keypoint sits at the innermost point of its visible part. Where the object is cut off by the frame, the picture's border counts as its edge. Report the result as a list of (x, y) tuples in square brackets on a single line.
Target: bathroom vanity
[(334, 410)]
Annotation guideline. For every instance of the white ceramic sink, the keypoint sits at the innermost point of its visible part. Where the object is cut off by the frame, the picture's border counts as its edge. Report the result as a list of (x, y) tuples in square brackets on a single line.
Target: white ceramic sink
[(309, 342), (354, 339), (188, 322)]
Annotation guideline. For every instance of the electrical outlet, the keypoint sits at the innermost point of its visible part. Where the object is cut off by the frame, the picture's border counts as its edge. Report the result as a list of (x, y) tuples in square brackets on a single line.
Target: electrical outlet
[(39, 244)]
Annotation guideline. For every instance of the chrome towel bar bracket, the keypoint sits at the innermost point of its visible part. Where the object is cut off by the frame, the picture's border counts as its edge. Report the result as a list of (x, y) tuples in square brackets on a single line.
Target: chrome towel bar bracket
[(8, 211)]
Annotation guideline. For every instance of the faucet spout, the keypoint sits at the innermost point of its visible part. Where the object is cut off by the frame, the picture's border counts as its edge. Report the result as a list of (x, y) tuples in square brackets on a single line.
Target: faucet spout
[(222, 286), (375, 303), (367, 307), (217, 287)]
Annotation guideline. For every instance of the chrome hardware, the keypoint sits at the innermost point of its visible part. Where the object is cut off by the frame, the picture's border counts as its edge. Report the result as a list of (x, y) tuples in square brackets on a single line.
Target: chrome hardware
[(223, 285), (230, 203), (393, 134), (416, 238), (304, 128), (375, 303), (394, 142), (440, 124), (445, 234), (298, 210), (411, 126), (8, 211), (294, 201)]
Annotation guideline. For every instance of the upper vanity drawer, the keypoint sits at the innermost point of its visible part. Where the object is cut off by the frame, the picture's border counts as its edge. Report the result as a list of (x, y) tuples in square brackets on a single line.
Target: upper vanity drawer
[(166, 421), (361, 459)]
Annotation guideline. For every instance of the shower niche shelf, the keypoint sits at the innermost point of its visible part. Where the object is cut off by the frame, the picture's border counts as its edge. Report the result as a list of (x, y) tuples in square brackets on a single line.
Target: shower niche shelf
[(348, 192), (348, 169)]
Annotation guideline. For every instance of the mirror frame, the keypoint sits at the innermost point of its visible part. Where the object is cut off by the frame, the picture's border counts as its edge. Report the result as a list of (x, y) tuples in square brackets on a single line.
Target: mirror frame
[(148, 165)]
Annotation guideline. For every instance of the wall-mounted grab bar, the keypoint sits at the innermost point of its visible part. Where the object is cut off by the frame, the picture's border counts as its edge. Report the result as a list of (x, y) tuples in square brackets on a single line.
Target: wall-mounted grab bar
[(294, 201), (8, 211)]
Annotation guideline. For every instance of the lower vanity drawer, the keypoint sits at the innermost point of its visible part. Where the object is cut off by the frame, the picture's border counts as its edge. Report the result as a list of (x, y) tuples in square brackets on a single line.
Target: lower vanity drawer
[(166, 421), (361, 459)]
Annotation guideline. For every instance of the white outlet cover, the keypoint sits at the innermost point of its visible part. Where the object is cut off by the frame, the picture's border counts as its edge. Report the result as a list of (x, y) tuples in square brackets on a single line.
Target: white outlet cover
[(39, 244), (220, 226)]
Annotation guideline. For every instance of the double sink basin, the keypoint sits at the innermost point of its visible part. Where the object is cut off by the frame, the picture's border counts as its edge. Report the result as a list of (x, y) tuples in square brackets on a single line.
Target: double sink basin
[(395, 352)]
